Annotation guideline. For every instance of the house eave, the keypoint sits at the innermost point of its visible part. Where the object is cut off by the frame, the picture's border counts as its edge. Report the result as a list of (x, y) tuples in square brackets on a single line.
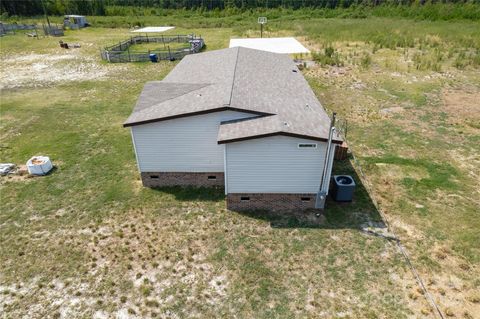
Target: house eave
[(308, 137), (219, 109)]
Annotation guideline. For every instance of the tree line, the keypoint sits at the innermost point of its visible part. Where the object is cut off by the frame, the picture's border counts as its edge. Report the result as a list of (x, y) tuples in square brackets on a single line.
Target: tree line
[(101, 7)]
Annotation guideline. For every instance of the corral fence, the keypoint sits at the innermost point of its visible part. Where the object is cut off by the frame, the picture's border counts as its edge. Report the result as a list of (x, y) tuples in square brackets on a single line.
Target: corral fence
[(11, 28), (121, 51), (53, 30)]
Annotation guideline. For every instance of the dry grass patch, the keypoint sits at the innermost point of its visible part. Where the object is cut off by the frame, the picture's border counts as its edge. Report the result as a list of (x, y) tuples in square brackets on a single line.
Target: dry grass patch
[(462, 107), (201, 261)]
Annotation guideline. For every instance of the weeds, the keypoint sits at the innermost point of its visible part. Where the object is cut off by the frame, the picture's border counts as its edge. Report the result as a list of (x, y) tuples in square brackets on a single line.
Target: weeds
[(467, 58), (328, 57), (476, 58), (392, 41), (146, 290), (365, 61), (152, 303), (424, 62)]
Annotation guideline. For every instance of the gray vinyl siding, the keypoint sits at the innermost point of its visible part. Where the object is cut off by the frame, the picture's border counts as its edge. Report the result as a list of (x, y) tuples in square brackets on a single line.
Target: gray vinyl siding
[(274, 165), (187, 144)]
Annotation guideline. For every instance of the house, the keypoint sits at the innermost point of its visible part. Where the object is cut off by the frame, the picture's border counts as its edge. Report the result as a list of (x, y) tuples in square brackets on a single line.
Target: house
[(240, 118)]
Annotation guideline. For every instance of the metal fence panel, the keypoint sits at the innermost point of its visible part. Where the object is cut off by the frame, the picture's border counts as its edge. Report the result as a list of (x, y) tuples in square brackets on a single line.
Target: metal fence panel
[(120, 52)]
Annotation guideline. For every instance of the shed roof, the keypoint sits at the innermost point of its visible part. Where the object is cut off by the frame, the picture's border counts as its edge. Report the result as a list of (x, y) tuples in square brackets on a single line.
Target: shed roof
[(253, 81), (276, 45), (153, 29)]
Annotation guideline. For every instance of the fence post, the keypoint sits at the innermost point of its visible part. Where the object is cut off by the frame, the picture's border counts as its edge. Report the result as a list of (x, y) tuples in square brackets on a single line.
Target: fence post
[(169, 54)]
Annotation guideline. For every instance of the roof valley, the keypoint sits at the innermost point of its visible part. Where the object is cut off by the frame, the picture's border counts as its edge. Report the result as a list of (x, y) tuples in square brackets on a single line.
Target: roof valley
[(233, 77)]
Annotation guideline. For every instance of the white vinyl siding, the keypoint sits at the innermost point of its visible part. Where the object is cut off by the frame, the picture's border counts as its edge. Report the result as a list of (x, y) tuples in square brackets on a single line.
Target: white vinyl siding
[(274, 165), (187, 144)]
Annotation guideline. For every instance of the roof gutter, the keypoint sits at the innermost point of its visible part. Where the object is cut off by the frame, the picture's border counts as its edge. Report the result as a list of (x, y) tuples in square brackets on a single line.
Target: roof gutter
[(252, 137)]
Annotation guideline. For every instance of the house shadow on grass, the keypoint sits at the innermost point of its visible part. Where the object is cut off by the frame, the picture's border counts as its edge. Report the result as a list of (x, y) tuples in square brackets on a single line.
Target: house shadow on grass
[(337, 215), (349, 215)]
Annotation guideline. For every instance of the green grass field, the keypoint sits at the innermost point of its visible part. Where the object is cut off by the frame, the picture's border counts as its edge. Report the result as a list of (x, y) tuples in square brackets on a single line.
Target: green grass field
[(89, 240)]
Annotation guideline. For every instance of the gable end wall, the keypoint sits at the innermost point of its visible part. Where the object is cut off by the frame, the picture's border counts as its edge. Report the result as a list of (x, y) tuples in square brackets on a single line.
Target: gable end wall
[(186, 144)]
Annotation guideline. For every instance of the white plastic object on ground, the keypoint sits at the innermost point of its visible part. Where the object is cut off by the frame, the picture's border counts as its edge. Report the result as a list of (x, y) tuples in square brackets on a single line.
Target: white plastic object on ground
[(275, 45), (39, 165), (6, 168)]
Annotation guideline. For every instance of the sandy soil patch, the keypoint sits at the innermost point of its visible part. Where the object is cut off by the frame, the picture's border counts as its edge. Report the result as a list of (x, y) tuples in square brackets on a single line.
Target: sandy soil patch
[(39, 70)]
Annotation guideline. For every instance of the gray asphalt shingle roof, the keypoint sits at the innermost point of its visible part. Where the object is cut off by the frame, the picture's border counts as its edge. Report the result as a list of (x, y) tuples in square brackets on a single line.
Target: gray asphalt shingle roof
[(259, 82)]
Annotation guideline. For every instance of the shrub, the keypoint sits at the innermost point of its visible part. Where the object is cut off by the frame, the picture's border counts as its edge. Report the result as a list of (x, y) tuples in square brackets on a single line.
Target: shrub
[(329, 51)]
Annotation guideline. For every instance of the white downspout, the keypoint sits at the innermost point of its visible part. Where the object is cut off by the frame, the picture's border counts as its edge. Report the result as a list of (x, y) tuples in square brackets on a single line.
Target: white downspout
[(135, 149), (329, 170), (225, 167), (322, 194)]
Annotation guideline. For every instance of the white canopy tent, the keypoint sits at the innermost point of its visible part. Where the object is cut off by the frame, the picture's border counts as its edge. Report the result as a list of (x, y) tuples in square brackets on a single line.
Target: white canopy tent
[(275, 45), (152, 29)]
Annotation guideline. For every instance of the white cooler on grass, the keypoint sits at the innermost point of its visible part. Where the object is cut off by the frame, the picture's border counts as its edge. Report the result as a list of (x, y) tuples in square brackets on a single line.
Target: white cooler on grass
[(39, 165)]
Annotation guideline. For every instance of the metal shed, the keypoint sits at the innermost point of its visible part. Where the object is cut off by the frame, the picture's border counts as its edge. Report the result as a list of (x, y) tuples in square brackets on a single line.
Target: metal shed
[(74, 21)]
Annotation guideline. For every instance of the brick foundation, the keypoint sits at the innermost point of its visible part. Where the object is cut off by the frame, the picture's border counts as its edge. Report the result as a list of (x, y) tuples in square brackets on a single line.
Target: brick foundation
[(161, 179), (272, 202)]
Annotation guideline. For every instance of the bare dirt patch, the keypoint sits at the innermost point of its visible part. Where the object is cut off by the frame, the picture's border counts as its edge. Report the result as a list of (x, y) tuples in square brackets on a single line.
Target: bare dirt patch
[(39, 70), (461, 105)]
